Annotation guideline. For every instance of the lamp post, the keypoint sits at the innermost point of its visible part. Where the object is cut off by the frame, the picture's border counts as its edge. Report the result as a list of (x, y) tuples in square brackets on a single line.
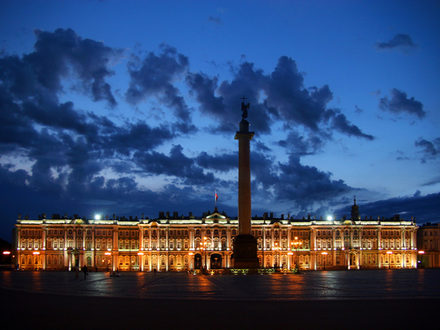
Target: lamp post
[(324, 256)]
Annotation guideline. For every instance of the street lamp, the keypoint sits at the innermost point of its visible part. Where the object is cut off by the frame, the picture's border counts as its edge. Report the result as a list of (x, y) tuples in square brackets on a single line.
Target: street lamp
[(324, 256)]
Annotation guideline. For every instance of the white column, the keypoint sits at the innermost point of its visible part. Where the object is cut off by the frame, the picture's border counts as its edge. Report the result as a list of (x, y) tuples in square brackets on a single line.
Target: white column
[(334, 246), (141, 239), (64, 247), (379, 239), (93, 247), (44, 238), (18, 247), (84, 238)]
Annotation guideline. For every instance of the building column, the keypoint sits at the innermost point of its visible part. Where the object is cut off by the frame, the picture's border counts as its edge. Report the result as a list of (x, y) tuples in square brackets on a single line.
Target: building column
[(84, 240), (43, 259), (66, 261), (413, 235), (314, 260), (93, 247), (379, 240), (334, 247), (44, 239), (379, 262)]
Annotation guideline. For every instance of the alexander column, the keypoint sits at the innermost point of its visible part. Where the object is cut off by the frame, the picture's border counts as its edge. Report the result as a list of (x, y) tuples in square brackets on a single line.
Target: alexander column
[(245, 245)]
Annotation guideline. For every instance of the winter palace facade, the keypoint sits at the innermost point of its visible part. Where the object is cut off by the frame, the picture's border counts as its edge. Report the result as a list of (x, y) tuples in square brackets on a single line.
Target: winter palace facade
[(176, 243)]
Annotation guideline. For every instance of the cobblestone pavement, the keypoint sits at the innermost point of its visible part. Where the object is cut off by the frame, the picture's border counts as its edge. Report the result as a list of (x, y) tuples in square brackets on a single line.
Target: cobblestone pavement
[(320, 285)]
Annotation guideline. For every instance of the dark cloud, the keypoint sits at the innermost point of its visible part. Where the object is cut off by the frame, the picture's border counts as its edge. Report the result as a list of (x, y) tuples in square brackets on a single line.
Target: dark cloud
[(301, 145), (66, 148), (222, 163), (278, 96), (68, 152), (431, 182), (423, 208), (398, 41), (183, 168), (286, 93), (300, 185), (223, 101), (358, 110), (401, 155), (430, 149), (260, 146), (154, 76), (215, 19), (57, 53), (137, 136), (340, 123), (400, 103), (121, 196), (305, 185)]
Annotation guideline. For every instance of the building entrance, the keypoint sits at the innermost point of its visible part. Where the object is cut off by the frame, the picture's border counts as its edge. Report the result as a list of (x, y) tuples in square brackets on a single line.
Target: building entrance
[(216, 261), (197, 261)]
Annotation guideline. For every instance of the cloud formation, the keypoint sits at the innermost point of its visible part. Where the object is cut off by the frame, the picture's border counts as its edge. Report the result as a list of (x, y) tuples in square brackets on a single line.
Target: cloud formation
[(423, 207), (430, 149), (400, 103), (398, 41), (153, 77), (277, 96), (80, 159)]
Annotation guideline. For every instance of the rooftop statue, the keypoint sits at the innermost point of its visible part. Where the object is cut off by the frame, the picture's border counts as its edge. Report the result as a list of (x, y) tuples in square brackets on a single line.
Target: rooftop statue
[(244, 108)]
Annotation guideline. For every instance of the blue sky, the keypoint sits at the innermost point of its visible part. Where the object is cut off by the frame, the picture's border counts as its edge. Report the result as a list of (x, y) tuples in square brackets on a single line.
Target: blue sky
[(131, 107)]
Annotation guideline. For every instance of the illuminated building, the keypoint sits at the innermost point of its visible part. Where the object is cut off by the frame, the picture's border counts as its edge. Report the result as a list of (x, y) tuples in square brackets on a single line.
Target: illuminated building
[(172, 243), (428, 243)]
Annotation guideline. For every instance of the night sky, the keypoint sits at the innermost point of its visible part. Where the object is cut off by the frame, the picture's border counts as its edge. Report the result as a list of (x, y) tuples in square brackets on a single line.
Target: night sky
[(131, 107)]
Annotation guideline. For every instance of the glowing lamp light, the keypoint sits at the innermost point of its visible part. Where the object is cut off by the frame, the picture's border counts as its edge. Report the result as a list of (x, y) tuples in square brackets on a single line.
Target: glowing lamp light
[(140, 253), (420, 252), (324, 253), (329, 218), (36, 252), (108, 253), (190, 253), (97, 216), (6, 253), (389, 252)]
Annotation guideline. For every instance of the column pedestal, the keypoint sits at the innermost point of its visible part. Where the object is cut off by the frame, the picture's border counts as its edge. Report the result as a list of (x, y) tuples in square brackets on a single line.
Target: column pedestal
[(245, 252)]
